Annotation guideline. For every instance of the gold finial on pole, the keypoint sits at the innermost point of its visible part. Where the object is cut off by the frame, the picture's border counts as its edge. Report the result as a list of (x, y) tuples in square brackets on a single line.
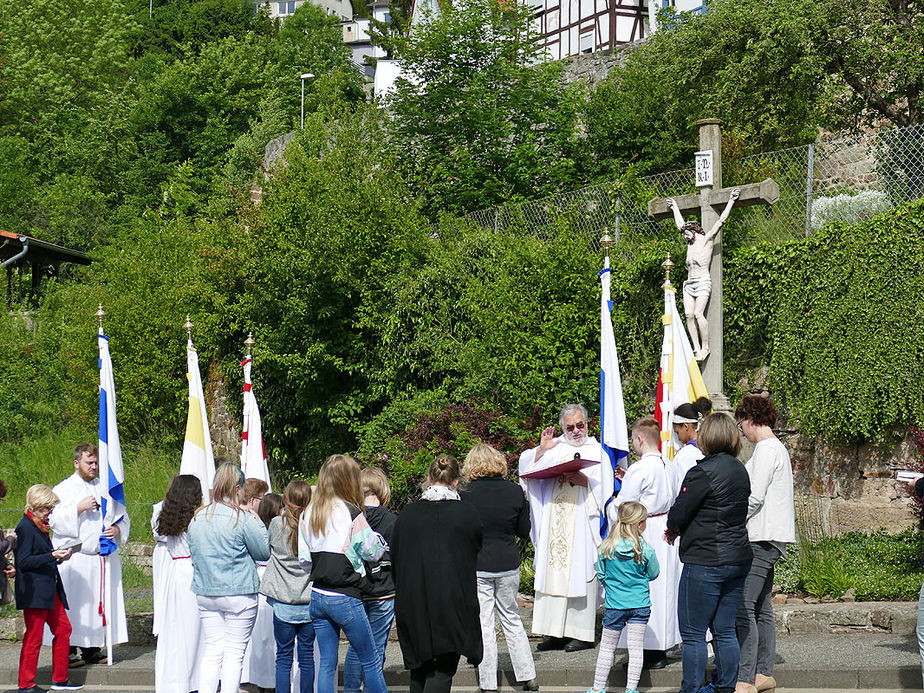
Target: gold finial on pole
[(188, 326), (248, 343), (607, 241), (100, 314), (667, 266)]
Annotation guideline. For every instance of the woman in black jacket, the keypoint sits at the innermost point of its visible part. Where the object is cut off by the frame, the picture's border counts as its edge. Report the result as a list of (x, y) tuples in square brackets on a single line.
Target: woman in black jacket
[(710, 516), (504, 513), (40, 592), (433, 555)]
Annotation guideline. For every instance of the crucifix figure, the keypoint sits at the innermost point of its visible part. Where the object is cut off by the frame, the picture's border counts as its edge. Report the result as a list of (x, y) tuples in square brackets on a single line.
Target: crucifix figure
[(698, 285), (707, 203)]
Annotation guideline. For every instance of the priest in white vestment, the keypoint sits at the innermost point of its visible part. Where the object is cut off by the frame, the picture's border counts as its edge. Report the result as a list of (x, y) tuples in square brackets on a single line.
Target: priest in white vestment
[(78, 518), (565, 532), (650, 482)]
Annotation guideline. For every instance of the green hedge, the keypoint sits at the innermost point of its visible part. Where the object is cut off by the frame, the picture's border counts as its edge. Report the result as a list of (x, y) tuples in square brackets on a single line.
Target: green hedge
[(838, 319)]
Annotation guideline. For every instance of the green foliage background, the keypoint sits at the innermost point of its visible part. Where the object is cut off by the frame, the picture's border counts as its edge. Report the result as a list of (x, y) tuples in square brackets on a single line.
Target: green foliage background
[(385, 323)]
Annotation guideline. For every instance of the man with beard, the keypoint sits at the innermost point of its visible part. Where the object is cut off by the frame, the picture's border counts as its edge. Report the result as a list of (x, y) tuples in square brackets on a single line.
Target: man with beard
[(78, 519), (565, 532)]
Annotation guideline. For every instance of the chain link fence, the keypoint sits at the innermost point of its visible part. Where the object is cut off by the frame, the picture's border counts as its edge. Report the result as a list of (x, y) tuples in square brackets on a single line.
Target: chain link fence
[(846, 179)]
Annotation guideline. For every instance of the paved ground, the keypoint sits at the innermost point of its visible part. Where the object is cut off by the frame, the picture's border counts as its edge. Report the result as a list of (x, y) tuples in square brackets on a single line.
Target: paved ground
[(830, 663)]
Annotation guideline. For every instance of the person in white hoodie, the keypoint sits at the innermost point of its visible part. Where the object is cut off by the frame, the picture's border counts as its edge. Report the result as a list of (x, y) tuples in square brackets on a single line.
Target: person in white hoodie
[(771, 526)]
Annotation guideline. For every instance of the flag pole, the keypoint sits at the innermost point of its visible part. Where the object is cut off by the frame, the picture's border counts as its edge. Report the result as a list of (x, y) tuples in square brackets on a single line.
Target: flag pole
[(666, 395), (107, 581)]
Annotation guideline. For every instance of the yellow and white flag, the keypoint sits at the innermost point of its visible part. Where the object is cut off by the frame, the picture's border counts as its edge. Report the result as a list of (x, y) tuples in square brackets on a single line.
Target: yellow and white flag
[(679, 380), (197, 448)]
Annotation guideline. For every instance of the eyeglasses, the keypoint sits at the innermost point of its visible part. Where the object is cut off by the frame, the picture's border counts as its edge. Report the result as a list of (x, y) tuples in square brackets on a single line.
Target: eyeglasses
[(740, 427), (579, 426)]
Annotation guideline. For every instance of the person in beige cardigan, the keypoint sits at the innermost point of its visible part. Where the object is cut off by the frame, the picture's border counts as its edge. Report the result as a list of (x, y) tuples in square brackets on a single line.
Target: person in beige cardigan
[(771, 526)]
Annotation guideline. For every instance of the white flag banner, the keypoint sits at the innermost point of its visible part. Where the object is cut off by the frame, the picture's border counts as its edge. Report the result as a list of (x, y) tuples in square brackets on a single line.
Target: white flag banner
[(111, 472), (253, 452), (614, 435), (198, 459)]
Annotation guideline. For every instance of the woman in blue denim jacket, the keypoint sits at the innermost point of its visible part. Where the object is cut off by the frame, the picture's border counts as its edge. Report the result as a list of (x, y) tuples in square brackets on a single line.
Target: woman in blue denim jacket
[(224, 541)]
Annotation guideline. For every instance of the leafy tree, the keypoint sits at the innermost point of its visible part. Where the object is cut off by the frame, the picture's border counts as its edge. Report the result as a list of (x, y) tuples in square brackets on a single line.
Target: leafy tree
[(751, 63), (334, 224), (874, 49), (199, 105), (775, 71), (476, 120), (173, 27)]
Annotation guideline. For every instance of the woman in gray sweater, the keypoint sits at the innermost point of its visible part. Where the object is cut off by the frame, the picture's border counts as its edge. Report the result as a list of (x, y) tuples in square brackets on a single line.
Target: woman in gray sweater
[(285, 584)]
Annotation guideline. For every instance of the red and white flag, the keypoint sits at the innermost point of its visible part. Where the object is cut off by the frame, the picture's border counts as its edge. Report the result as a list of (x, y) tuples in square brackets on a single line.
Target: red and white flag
[(253, 452)]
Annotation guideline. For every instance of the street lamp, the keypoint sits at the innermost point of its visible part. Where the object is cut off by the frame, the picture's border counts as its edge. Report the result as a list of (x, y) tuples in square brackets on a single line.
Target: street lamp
[(305, 75)]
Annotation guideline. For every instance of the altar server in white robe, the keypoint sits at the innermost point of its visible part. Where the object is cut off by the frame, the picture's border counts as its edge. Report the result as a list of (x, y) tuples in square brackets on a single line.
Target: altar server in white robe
[(78, 518), (179, 641), (686, 427), (565, 531), (159, 561), (259, 665), (650, 482)]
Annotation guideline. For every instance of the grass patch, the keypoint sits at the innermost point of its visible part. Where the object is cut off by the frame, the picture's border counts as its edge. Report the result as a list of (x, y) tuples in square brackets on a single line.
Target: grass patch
[(49, 459), (878, 566)]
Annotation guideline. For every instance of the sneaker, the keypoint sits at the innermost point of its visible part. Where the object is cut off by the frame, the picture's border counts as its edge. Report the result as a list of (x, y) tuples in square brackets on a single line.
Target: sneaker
[(591, 690), (631, 690), (66, 686), (531, 685), (98, 657), (708, 688), (34, 689)]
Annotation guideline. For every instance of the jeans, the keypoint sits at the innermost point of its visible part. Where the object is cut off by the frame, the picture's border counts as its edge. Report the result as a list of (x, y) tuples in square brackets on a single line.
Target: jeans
[(754, 624), (331, 614), (436, 675), (920, 628), (226, 626), (708, 598), (381, 614), (499, 594), (286, 635)]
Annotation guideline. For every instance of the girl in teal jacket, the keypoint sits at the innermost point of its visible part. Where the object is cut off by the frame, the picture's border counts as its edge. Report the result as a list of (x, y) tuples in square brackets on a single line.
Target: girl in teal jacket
[(625, 566)]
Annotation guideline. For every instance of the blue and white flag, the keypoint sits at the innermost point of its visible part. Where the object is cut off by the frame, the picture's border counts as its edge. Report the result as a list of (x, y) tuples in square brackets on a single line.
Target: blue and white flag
[(111, 473), (614, 436)]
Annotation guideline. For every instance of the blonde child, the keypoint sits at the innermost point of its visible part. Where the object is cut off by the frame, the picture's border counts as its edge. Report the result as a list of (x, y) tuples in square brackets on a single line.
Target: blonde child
[(625, 566)]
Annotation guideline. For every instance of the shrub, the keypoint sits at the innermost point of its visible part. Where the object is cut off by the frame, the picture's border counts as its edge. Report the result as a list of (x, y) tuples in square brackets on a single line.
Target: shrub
[(877, 565), (851, 209)]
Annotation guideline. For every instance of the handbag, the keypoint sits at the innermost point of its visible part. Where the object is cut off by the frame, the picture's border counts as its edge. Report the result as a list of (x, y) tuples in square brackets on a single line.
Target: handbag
[(6, 596)]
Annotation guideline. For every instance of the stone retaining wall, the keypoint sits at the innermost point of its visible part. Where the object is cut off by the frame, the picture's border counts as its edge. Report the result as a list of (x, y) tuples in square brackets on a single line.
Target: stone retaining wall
[(843, 488)]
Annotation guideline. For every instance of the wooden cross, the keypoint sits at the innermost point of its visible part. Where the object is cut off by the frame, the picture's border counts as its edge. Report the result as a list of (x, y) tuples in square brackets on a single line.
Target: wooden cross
[(708, 203)]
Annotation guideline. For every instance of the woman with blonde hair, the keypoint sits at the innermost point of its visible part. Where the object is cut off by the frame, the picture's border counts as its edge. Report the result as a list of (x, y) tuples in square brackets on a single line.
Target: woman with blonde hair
[(40, 592), (225, 541), (334, 540), (504, 513), (288, 591), (625, 566), (710, 517), (434, 556)]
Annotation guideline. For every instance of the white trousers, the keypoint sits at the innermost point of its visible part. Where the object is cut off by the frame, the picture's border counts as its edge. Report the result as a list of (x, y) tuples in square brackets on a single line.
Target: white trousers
[(564, 617), (499, 594), (226, 626)]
